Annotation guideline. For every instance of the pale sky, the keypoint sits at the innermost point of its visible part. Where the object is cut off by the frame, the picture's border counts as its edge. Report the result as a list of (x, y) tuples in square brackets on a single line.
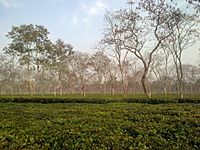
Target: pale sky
[(78, 22)]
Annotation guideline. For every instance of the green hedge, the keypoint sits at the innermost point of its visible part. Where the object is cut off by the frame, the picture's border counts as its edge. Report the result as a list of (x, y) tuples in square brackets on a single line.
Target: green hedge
[(161, 101), (93, 100)]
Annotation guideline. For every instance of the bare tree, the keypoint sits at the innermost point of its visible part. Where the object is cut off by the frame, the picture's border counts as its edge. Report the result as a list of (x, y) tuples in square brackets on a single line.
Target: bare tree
[(113, 71), (135, 73), (100, 63), (184, 35), (191, 75), (113, 40), (9, 75), (143, 31), (161, 69), (82, 70)]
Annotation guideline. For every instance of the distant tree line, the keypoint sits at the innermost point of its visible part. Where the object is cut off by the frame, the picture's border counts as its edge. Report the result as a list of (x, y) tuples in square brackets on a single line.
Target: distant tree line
[(140, 52)]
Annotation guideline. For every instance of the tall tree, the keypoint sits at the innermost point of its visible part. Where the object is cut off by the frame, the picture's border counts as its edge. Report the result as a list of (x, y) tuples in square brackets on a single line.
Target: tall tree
[(9, 75), (162, 71), (184, 35), (114, 42), (191, 75), (28, 43), (82, 70), (57, 59), (142, 27), (100, 62)]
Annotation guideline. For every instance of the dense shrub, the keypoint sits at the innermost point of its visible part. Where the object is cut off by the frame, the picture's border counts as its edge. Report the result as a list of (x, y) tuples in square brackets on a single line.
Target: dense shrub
[(95, 99), (99, 126)]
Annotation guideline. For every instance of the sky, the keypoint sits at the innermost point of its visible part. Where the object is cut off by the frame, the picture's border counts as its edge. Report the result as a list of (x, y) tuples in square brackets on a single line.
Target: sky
[(78, 22)]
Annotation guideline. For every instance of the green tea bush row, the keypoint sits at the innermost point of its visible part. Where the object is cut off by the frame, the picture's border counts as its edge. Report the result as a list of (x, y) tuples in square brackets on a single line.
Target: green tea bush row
[(53, 100), (161, 101), (94, 100), (83, 126)]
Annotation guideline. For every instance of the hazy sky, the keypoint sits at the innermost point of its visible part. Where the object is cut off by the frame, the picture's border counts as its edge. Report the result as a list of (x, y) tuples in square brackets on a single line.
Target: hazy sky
[(79, 22)]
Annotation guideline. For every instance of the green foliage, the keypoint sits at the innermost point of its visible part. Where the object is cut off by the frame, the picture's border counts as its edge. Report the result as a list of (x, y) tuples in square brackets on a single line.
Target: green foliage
[(28, 42), (99, 126), (99, 99)]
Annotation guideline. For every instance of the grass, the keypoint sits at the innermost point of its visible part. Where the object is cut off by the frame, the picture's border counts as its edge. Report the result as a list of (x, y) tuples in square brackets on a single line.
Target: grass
[(99, 126)]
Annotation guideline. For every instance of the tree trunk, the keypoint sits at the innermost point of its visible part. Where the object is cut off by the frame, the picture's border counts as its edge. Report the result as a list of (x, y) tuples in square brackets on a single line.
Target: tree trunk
[(181, 89), (165, 90), (101, 87), (145, 85), (104, 88), (61, 88), (125, 89), (83, 90), (13, 87), (54, 91), (112, 89), (32, 87), (181, 79)]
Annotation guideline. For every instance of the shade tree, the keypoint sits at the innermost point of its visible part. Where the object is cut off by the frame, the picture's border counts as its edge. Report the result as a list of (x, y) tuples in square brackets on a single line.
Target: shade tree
[(113, 41), (28, 43), (57, 59), (144, 26), (83, 72), (184, 35), (100, 64)]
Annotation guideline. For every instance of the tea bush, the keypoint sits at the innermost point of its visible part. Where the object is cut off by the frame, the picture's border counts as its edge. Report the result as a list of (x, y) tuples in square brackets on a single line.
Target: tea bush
[(98, 99), (99, 126)]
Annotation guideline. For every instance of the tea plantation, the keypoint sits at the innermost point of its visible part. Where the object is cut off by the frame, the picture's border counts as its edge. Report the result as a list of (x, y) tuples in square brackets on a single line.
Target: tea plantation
[(114, 125)]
